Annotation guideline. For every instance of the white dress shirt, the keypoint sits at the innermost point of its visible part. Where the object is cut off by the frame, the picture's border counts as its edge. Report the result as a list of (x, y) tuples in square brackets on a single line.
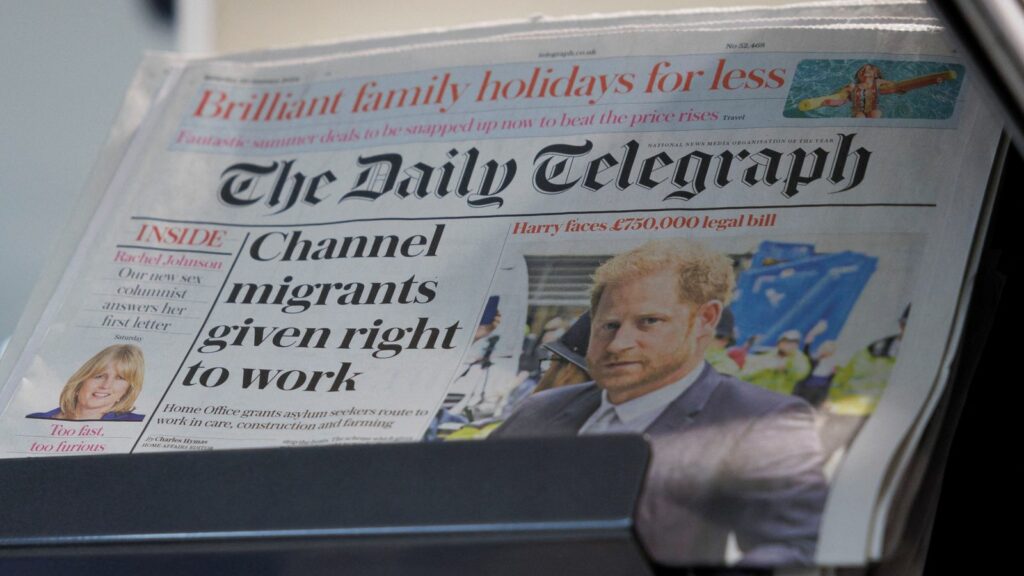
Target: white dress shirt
[(634, 416)]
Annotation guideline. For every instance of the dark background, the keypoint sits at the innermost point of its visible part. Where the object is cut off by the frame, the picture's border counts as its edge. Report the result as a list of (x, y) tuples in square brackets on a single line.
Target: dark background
[(975, 522)]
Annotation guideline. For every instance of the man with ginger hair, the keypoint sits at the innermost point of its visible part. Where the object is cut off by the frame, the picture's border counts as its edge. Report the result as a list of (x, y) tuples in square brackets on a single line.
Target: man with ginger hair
[(726, 456)]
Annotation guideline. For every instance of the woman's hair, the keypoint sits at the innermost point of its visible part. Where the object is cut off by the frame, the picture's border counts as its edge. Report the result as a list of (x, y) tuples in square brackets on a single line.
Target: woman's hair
[(128, 363)]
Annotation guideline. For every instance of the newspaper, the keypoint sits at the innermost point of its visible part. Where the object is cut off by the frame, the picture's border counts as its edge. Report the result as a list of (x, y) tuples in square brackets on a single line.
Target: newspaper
[(741, 233)]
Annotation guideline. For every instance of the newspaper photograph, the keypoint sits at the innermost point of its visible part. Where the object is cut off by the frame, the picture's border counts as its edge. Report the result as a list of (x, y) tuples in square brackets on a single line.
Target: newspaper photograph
[(728, 237)]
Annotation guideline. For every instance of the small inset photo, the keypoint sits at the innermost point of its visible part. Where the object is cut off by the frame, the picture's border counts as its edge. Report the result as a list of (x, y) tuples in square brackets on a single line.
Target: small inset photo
[(874, 89), (104, 388)]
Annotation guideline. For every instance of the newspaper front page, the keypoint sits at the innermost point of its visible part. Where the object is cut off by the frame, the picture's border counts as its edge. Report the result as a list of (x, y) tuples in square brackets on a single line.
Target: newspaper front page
[(745, 240)]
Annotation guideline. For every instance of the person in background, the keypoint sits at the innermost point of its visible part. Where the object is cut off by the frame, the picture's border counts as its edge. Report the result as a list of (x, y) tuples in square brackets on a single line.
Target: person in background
[(863, 379), (566, 364), (815, 387), (720, 354), (858, 386), (780, 369)]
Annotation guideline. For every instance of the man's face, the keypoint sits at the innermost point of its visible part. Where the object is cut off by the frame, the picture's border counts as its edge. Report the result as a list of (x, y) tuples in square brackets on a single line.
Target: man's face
[(644, 337)]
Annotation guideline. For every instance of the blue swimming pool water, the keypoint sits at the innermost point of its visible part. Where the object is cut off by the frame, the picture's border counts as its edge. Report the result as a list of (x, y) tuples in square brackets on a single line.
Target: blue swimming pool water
[(816, 78)]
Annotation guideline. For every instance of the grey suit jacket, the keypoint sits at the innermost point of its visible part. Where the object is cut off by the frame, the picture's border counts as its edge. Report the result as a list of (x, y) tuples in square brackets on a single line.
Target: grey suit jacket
[(726, 457)]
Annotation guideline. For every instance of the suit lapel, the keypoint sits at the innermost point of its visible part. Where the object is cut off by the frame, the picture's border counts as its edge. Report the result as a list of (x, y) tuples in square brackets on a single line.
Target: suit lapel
[(576, 411), (683, 410)]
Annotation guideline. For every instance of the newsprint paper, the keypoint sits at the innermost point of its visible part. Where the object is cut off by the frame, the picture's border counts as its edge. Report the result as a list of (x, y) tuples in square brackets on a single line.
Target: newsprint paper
[(743, 234)]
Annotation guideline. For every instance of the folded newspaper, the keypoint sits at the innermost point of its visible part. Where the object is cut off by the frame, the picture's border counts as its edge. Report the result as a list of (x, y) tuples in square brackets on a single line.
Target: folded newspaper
[(746, 234)]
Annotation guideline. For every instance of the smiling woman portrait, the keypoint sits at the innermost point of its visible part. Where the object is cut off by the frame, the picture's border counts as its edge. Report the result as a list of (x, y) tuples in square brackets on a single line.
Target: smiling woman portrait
[(104, 388)]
